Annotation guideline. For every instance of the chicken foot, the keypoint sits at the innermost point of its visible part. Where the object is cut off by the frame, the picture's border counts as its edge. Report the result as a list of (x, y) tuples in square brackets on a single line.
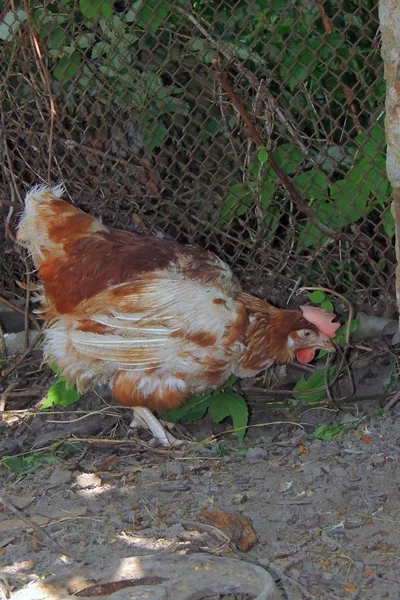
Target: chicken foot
[(143, 417)]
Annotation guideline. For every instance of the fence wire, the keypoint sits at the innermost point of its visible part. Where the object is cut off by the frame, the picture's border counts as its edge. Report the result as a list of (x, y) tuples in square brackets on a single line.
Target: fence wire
[(252, 128)]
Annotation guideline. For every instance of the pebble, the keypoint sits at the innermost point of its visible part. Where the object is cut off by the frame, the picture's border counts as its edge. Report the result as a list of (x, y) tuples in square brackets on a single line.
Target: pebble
[(256, 455), (174, 487), (338, 471), (59, 477), (174, 467), (150, 473), (85, 480)]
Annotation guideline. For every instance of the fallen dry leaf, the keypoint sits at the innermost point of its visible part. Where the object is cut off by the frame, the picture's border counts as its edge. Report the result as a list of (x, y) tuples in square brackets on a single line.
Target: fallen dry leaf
[(349, 587), (324, 563), (236, 526), (367, 573), (108, 462)]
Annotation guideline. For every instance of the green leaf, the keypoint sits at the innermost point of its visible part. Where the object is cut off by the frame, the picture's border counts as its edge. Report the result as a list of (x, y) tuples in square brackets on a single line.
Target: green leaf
[(340, 336), (304, 388), (194, 409), (388, 223), (229, 383), (154, 136), (67, 67), (93, 9), (130, 16), (311, 237), (151, 14), (377, 134), (57, 38), (288, 157), (229, 404), (316, 297), (236, 202), (220, 404), (262, 155), (328, 432), (68, 449), (10, 24), (28, 464), (327, 305), (60, 395), (298, 73), (312, 184)]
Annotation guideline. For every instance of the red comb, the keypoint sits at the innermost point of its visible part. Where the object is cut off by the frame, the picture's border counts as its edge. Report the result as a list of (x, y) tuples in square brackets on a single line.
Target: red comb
[(322, 319)]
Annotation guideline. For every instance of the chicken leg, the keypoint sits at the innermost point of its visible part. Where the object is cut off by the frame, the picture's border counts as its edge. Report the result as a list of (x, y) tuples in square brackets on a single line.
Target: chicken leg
[(143, 417)]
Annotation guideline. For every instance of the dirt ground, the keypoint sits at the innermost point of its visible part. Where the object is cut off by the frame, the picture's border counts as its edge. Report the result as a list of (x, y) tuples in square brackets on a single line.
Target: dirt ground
[(326, 513)]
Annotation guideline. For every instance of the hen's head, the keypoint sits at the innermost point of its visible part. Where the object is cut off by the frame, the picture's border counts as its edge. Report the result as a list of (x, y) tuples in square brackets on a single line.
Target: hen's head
[(314, 333)]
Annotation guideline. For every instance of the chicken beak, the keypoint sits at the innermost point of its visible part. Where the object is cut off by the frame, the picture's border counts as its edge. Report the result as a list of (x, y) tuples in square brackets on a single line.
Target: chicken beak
[(325, 343)]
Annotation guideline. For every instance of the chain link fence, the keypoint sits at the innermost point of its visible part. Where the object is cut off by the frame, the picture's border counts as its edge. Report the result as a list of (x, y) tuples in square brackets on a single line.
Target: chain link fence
[(252, 128)]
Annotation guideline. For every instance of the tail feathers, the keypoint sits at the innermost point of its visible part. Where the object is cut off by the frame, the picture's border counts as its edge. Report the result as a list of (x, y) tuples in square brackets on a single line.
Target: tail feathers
[(48, 222)]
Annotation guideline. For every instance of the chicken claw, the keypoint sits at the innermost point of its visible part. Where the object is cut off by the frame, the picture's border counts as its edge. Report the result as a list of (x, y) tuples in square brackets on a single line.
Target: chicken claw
[(143, 417)]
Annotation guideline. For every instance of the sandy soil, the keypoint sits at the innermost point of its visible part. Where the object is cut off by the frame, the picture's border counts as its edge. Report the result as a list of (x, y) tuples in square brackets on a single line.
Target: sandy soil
[(326, 513)]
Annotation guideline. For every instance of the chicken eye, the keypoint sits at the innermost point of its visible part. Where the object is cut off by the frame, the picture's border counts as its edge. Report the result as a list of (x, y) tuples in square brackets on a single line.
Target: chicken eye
[(305, 333)]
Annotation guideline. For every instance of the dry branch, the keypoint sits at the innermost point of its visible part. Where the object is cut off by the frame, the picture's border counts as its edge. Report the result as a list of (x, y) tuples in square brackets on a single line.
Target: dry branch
[(286, 182)]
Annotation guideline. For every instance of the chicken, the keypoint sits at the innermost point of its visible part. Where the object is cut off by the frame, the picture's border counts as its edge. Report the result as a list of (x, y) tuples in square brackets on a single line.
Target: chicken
[(153, 319)]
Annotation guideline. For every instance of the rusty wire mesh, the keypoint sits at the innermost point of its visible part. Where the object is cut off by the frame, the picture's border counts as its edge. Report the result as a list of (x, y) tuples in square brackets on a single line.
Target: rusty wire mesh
[(121, 101)]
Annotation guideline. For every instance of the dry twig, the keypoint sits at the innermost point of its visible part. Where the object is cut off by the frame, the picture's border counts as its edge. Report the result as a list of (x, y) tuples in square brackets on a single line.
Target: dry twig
[(21, 359), (286, 182), (47, 540)]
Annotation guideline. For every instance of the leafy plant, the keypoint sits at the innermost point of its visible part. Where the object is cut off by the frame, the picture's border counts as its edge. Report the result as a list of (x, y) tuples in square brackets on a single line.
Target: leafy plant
[(23, 465), (29, 463), (60, 393), (320, 298), (328, 432), (337, 204), (10, 24), (313, 388), (221, 403), (92, 51)]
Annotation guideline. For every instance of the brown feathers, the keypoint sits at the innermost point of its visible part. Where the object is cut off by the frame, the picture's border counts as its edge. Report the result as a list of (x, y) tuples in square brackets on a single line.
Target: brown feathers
[(155, 320)]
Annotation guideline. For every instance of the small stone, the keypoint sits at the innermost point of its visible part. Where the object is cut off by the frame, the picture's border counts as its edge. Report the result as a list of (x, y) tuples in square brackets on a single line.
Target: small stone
[(338, 471), (175, 468), (316, 445), (283, 486), (150, 473), (312, 468), (256, 455), (86, 480), (173, 530), (174, 487), (59, 477)]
